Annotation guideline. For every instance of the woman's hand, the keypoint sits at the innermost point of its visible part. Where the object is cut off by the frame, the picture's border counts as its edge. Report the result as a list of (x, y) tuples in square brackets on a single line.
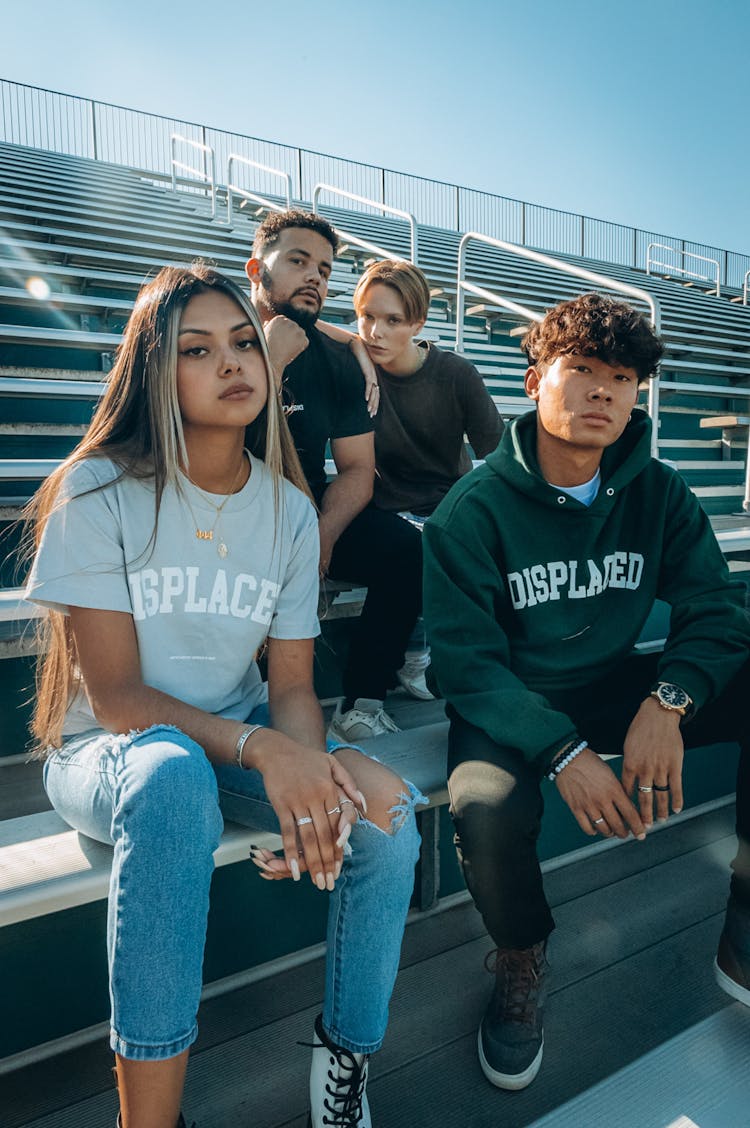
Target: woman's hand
[(372, 387), (316, 802)]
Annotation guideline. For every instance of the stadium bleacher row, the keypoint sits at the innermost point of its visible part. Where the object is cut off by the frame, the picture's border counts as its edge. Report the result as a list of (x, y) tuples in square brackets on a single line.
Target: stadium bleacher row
[(78, 237)]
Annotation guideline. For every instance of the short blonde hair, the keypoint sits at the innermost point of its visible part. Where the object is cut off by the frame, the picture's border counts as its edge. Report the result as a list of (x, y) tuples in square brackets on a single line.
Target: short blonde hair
[(407, 280)]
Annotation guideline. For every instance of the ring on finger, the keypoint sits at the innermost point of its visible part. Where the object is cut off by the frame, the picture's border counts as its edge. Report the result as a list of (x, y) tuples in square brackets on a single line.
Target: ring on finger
[(304, 821), (601, 819), (334, 811), (646, 789), (658, 787), (343, 801)]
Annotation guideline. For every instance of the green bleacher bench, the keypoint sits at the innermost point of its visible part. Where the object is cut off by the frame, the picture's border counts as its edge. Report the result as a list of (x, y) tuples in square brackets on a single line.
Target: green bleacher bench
[(46, 867)]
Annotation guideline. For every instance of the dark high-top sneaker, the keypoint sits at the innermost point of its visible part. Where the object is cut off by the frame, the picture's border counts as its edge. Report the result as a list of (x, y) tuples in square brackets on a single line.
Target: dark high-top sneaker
[(511, 1037), (337, 1085), (732, 963)]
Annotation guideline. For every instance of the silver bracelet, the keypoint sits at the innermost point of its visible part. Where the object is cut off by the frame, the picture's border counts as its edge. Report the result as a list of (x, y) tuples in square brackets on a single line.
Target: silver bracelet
[(242, 740), (558, 766)]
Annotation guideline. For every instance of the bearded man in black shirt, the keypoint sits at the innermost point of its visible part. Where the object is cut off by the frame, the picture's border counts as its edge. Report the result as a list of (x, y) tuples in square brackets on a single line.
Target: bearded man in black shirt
[(322, 389)]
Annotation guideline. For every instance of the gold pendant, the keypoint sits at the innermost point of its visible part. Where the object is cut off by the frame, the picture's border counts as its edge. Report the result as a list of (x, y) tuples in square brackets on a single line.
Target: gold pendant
[(204, 534), (222, 550)]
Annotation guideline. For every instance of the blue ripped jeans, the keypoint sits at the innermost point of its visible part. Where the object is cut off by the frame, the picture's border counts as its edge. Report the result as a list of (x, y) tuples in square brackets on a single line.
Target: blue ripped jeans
[(158, 800)]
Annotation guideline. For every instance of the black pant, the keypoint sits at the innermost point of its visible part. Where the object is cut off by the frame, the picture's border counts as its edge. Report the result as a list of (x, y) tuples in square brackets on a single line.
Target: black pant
[(384, 552), (497, 805)]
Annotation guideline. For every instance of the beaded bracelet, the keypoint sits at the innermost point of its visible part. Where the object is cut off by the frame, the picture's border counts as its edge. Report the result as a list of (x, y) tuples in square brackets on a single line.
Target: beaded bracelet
[(564, 758), (242, 740)]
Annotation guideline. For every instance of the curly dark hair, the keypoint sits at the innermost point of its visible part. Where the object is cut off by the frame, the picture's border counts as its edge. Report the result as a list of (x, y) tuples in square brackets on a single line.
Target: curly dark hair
[(275, 222), (595, 325)]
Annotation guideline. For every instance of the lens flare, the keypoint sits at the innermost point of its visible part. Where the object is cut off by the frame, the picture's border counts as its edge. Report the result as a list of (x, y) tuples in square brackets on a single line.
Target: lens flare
[(38, 288)]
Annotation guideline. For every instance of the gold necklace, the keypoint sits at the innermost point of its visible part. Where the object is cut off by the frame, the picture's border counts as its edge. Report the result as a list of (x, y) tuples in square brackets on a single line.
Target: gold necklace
[(208, 534)]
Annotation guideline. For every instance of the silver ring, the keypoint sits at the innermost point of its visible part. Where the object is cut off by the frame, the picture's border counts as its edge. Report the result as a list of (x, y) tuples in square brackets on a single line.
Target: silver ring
[(343, 801), (303, 822), (600, 819), (645, 789), (334, 811)]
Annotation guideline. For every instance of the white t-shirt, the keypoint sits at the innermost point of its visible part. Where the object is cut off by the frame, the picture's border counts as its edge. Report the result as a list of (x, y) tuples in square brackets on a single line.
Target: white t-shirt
[(199, 618)]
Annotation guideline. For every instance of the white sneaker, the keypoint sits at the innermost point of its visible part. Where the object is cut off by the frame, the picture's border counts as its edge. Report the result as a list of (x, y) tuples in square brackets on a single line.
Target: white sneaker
[(337, 1085), (367, 717), (412, 675)]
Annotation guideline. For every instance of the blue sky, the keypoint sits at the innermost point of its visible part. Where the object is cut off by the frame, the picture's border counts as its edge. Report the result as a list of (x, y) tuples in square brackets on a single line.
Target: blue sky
[(635, 111)]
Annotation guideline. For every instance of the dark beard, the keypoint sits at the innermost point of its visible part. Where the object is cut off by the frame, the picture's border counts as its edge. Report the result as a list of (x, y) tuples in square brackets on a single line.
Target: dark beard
[(305, 318)]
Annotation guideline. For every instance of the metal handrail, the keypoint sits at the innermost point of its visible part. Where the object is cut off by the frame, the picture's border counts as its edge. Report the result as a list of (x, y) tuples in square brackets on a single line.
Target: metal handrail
[(498, 300), (578, 272), (681, 269), (235, 190), (745, 287), (48, 119), (210, 178), (381, 207)]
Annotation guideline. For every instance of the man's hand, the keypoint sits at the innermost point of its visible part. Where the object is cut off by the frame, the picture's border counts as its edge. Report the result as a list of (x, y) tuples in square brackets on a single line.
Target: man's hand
[(593, 792), (653, 754), (286, 340)]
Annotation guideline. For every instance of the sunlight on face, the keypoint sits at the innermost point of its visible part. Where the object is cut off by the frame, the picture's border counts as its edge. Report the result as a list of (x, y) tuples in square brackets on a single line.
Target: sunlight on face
[(383, 326), (221, 373)]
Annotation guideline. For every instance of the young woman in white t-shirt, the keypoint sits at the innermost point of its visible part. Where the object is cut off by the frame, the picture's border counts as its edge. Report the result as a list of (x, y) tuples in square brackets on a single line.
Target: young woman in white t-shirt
[(173, 543)]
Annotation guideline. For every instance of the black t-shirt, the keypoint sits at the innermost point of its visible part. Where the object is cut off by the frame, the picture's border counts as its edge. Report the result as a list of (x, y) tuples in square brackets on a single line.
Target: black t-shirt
[(323, 393)]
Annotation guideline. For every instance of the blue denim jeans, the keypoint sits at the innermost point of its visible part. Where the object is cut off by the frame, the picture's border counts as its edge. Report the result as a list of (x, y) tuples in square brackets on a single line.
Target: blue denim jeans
[(158, 800)]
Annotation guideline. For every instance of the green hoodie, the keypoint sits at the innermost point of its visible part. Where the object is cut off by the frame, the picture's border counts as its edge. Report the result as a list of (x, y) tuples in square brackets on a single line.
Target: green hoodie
[(529, 593)]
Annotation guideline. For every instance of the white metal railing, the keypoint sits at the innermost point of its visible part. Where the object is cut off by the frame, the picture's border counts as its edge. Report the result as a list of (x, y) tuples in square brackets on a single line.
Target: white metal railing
[(49, 120), (208, 177), (681, 269), (745, 282), (566, 268), (498, 300), (235, 190), (350, 238)]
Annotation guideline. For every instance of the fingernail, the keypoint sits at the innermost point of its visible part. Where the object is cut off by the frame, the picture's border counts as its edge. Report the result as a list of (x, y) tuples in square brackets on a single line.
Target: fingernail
[(320, 881), (348, 850), (259, 863), (363, 801), (330, 882), (344, 836), (676, 810), (294, 867), (266, 876), (641, 837), (337, 871)]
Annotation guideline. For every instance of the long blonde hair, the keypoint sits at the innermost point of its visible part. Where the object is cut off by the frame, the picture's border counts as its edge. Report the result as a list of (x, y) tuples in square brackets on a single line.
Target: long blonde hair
[(138, 426)]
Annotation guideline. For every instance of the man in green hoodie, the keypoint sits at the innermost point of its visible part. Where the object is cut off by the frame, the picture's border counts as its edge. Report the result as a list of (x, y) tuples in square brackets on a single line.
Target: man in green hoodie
[(541, 568)]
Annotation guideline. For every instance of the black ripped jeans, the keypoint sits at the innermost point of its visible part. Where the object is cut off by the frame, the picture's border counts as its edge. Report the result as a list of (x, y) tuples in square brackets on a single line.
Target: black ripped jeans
[(497, 804)]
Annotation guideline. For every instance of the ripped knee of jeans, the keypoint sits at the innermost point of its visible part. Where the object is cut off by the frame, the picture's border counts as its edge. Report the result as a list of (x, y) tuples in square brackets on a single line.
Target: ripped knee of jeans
[(401, 811)]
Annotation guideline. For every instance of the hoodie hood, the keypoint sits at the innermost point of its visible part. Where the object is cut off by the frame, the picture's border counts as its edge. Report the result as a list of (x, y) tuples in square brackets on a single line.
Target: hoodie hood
[(515, 460)]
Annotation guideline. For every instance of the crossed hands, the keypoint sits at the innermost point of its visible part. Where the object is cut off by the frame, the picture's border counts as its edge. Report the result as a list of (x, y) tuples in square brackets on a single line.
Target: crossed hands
[(316, 801), (652, 762)]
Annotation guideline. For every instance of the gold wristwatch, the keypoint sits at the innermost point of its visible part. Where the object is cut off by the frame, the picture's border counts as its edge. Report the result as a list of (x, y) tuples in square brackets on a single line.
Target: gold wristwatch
[(672, 697)]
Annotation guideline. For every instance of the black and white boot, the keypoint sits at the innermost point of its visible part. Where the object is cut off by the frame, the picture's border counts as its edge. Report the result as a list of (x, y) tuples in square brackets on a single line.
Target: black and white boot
[(337, 1085)]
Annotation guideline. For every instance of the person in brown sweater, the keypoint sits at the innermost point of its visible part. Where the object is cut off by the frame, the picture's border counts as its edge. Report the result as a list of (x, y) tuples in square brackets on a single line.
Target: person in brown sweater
[(430, 400)]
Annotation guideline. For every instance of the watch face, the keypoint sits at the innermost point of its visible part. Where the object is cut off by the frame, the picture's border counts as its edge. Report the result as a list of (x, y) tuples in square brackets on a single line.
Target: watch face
[(673, 696)]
